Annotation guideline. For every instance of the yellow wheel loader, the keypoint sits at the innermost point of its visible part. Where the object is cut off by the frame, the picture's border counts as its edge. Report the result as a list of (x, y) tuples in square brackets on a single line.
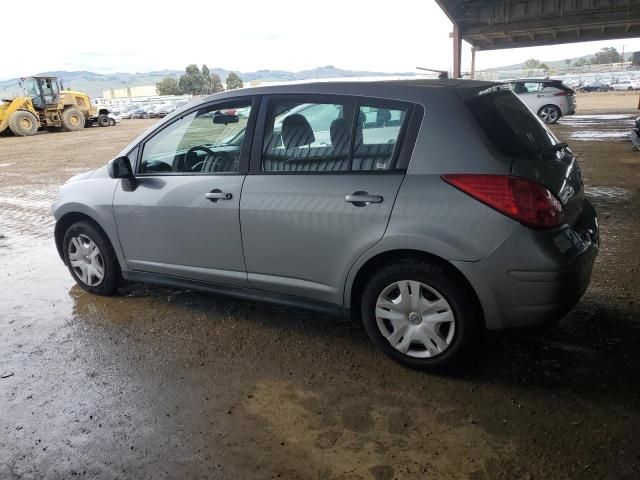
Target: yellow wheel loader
[(45, 106)]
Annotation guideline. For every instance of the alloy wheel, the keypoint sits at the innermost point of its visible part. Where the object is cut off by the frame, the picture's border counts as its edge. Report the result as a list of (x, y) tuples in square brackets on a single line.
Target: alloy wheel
[(549, 114)]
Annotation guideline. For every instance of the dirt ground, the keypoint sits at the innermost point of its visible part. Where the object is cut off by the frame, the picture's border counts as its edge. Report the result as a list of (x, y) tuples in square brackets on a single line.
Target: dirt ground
[(608, 102), (162, 383)]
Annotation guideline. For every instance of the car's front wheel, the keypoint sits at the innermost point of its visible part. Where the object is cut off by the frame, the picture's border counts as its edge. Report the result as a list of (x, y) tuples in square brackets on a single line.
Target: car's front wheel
[(420, 315), (549, 114), (91, 259)]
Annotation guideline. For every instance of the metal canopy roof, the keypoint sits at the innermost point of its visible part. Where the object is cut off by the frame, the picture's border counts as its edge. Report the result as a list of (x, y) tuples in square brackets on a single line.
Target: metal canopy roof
[(495, 24)]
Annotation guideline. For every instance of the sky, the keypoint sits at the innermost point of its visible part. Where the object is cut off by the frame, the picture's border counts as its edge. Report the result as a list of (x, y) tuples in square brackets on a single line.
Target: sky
[(246, 35)]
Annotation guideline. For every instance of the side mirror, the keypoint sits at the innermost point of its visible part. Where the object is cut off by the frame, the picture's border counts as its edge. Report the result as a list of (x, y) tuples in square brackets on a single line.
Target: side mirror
[(224, 118), (120, 167)]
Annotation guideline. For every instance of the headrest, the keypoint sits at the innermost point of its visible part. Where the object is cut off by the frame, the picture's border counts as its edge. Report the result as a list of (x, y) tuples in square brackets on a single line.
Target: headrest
[(296, 131), (339, 132)]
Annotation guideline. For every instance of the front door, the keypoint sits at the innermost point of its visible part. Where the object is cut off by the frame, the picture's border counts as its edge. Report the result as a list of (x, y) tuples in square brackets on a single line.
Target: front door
[(322, 186), (183, 218)]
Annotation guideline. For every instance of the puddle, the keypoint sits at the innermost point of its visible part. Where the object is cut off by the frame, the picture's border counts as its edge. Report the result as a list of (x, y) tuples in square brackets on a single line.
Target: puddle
[(599, 134), (610, 194), (571, 118)]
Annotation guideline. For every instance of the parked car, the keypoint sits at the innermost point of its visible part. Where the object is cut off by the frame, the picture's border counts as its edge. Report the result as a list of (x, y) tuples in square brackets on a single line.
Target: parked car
[(113, 120), (596, 87), (626, 84), (549, 99), (139, 113), (163, 110), (465, 214)]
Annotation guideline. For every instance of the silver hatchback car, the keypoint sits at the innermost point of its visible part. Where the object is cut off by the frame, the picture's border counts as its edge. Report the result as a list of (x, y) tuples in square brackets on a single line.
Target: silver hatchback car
[(433, 210)]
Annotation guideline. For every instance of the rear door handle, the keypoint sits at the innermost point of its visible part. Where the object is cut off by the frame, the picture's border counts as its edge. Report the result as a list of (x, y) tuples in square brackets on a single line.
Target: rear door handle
[(216, 194), (362, 199)]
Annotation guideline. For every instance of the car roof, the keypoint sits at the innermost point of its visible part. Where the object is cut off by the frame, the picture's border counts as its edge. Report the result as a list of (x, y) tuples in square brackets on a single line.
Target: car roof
[(356, 87), (535, 80)]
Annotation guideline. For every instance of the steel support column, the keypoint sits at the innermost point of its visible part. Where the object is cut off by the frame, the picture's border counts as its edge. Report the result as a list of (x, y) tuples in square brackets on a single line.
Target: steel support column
[(457, 50), (473, 63)]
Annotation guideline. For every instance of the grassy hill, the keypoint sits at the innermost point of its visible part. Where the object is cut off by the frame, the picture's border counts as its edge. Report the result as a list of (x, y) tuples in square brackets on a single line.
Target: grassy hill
[(95, 83)]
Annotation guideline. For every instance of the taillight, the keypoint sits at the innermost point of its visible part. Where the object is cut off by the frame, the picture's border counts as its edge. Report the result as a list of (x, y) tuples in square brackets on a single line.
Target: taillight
[(526, 201)]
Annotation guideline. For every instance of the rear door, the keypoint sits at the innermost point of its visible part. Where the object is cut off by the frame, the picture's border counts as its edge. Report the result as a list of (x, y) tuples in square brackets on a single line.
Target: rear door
[(183, 218), (324, 176)]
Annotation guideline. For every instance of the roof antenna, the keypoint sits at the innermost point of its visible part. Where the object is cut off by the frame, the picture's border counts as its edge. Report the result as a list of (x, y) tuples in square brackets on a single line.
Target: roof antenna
[(442, 74)]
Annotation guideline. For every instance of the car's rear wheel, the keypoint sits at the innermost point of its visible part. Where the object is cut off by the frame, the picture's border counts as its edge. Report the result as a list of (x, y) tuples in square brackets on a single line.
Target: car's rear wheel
[(91, 259), (549, 114), (420, 315)]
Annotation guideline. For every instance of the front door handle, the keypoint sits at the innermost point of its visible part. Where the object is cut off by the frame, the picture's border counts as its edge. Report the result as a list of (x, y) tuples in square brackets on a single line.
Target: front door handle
[(362, 199), (216, 194)]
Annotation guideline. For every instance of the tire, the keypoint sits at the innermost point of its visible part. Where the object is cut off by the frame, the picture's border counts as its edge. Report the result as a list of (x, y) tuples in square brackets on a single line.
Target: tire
[(451, 341), (97, 273), (549, 114), (630, 88), (72, 119), (23, 123), (103, 120)]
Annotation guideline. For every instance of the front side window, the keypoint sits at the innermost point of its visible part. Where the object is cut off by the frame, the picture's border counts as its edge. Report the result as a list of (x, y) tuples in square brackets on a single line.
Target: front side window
[(330, 137), (207, 141)]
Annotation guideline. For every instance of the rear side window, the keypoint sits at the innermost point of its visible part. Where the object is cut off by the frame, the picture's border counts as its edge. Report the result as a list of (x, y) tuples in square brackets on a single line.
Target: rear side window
[(377, 137), (330, 137), (509, 124), (306, 137)]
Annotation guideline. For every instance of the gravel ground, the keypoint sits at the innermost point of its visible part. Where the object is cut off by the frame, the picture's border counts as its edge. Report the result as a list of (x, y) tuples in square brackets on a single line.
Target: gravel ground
[(165, 383)]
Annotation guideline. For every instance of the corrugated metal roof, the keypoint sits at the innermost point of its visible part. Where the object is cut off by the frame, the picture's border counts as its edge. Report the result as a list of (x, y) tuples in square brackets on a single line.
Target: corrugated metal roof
[(495, 24)]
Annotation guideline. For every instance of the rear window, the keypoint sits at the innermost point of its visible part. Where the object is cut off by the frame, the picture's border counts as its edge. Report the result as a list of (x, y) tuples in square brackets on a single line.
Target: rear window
[(509, 124)]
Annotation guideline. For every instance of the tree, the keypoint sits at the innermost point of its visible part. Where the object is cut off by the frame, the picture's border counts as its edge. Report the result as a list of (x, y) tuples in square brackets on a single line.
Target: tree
[(216, 84), (207, 79), (193, 81), (234, 81), (606, 55), (531, 64), (581, 62), (168, 86), (567, 62), (635, 59)]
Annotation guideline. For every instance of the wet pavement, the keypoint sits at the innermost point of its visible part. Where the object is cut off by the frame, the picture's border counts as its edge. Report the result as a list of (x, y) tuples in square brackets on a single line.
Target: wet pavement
[(165, 383)]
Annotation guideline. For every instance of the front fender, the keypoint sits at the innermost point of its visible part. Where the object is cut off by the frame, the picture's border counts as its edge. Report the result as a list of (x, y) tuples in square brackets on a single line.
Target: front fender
[(93, 198)]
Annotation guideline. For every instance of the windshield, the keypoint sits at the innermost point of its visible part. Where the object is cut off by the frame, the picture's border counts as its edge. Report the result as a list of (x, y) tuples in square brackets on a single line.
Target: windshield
[(509, 124), (30, 87)]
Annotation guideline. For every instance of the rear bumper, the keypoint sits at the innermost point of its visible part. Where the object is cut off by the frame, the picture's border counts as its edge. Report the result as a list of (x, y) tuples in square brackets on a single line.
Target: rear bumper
[(535, 277)]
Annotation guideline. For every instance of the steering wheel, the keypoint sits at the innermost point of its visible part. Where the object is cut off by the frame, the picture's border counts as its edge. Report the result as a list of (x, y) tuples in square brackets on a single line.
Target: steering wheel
[(201, 148)]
